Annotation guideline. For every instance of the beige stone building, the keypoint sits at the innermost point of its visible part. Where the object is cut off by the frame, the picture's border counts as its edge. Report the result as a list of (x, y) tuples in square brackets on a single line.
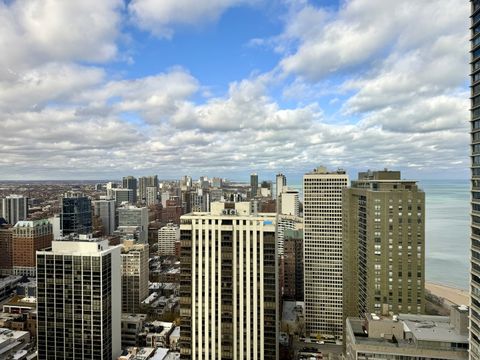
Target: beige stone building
[(134, 275)]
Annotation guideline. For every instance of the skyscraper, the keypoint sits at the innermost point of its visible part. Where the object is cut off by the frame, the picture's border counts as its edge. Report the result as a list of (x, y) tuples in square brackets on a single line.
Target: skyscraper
[(14, 208), (228, 284), (134, 275), (79, 300), (76, 216), (253, 185), (134, 216), (281, 182), (167, 237), (475, 164), (145, 182), (130, 182), (28, 238), (384, 245), (290, 203), (105, 209), (323, 251)]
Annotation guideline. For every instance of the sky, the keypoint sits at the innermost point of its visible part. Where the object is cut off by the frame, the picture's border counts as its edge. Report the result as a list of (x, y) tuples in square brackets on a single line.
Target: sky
[(101, 89)]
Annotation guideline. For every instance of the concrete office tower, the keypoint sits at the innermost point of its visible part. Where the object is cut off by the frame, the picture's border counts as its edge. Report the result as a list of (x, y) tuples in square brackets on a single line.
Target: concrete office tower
[(290, 202), (475, 202), (323, 263), (293, 265), (105, 209), (14, 208), (76, 216), (135, 216), (281, 182), (123, 196), (229, 284), (6, 245), (28, 238), (286, 222), (79, 300), (130, 182), (384, 245), (151, 196), (167, 237), (135, 275), (253, 185), (145, 182)]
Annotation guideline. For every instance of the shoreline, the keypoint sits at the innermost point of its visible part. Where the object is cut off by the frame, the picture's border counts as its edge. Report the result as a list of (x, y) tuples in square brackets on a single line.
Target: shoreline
[(452, 294)]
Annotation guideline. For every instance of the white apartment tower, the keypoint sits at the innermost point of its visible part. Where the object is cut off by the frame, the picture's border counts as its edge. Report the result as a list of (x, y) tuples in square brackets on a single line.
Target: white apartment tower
[(229, 284), (79, 300), (281, 182), (290, 203), (322, 214), (167, 236)]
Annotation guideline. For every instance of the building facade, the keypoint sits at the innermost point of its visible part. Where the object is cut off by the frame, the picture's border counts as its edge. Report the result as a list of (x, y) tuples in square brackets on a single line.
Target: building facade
[(323, 261), (76, 215), (167, 237), (28, 238), (6, 249), (290, 203), (475, 169), (105, 209), (293, 265), (384, 238), (79, 300), (229, 303), (135, 275), (408, 337), (131, 216), (144, 183), (280, 183), (253, 185), (130, 182), (14, 208)]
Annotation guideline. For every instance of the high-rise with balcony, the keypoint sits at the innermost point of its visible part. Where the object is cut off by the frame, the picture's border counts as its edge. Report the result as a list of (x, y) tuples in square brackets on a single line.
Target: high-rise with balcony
[(229, 284), (79, 300), (475, 170), (323, 251), (384, 245)]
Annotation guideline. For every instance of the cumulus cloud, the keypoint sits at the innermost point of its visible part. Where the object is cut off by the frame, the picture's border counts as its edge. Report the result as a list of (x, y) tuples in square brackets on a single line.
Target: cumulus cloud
[(35, 32), (158, 16), (405, 108)]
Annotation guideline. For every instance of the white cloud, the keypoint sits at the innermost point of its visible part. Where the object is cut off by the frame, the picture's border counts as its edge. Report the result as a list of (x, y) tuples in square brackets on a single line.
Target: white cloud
[(159, 16), (35, 32)]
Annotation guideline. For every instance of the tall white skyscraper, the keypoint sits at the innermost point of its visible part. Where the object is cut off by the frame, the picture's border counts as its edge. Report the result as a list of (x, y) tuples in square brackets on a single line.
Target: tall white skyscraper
[(79, 300), (290, 204), (281, 182), (14, 208), (105, 209), (229, 284), (322, 214)]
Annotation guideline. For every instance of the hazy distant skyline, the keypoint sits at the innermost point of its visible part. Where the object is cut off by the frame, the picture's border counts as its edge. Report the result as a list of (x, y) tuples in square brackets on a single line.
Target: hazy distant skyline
[(93, 89)]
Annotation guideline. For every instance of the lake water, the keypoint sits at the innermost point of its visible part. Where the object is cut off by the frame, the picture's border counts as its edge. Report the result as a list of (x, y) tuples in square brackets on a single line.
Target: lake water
[(447, 231)]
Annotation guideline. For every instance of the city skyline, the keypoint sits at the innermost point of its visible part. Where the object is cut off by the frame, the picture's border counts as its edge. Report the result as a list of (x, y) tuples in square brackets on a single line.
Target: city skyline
[(232, 87)]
